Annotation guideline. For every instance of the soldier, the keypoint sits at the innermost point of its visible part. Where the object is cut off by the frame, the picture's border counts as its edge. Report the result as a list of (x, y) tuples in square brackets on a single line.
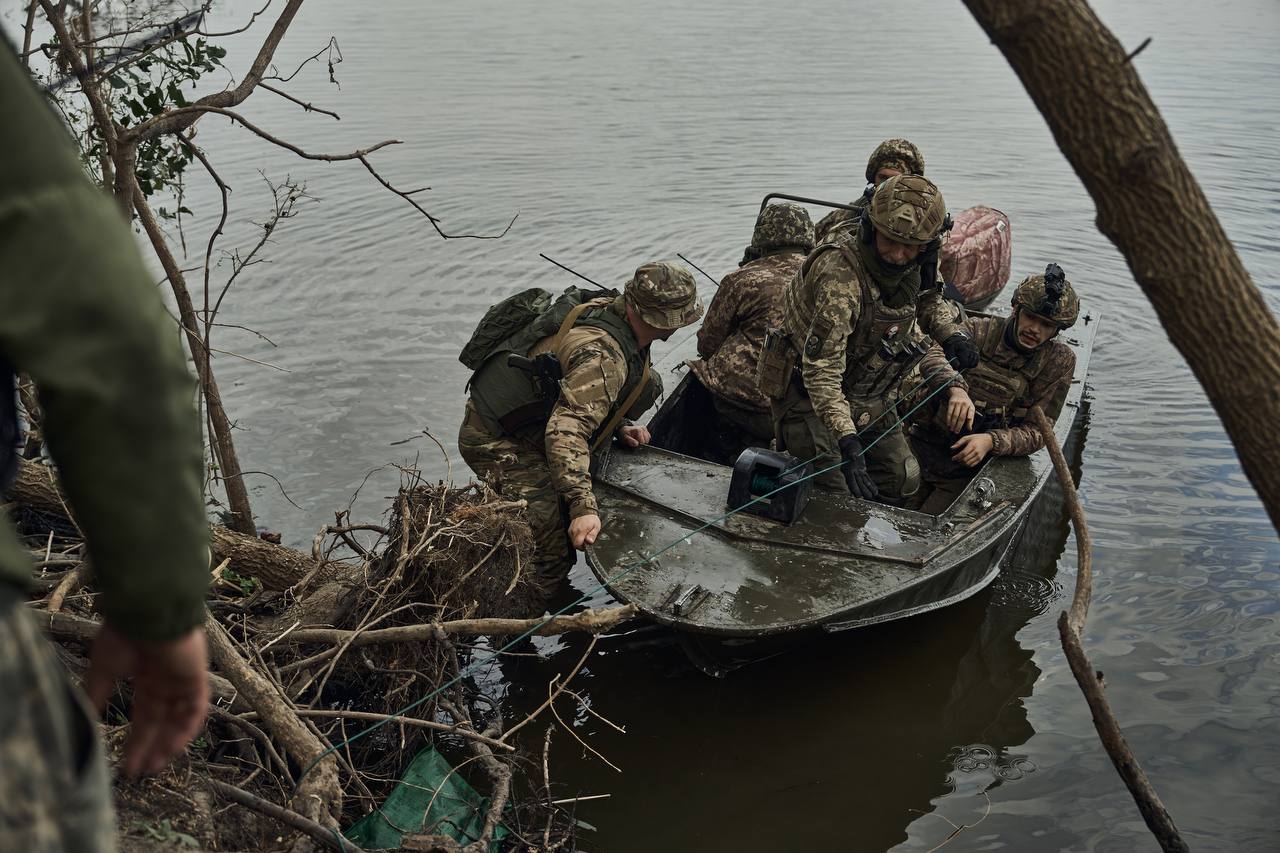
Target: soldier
[(748, 303), (849, 337), (79, 313), (540, 449), (891, 158), (1021, 366), (940, 317)]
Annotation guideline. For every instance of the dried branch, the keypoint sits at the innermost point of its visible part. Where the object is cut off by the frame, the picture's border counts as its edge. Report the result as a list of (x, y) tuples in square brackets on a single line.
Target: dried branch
[(1070, 629), (593, 621), (331, 838), (311, 108)]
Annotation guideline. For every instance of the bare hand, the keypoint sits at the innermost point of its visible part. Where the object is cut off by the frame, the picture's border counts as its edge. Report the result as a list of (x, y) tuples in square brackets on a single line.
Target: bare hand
[(583, 531), (960, 410), (170, 692), (634, 435), (972, 449)]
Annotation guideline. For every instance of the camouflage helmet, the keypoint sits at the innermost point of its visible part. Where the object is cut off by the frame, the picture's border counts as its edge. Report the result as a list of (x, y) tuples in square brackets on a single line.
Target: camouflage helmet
[(664, 295), (908, 209), (781, 225), (895, 154), (1049, 296)]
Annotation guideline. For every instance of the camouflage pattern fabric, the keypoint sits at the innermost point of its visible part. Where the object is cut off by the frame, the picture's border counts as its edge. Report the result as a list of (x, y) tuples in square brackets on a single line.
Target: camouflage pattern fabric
[(783, 225), (945, 478), (909, 209), (747, 304), (895, 154), (54, 792), (890, 462), (664, 295), (839, 221), (554, 475), (1048, 390), (520, 471), (822, 305), (1061, 308)]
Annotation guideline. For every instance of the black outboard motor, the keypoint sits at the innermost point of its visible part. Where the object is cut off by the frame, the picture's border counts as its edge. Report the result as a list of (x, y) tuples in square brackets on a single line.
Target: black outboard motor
[(782, 477)]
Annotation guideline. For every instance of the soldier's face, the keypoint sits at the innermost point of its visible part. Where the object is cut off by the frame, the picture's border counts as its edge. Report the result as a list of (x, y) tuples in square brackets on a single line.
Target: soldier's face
[(893, 252), (1034, 330), (884, 173)]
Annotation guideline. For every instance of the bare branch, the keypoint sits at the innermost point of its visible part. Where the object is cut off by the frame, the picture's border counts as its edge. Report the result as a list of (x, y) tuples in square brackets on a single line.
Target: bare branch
[(174, 121), (435, 223), (311, 108), (197, 108), (330, 47)]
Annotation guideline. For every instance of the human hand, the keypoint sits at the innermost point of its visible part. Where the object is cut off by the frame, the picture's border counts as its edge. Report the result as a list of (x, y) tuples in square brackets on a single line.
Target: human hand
[(855, 468), (960, 411), (634, 435), (972, 449), (583, 530), (170, 692), (961, 351)]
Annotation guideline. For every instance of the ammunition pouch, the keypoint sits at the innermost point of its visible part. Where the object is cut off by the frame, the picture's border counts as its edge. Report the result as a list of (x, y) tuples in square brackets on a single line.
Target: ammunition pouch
[(776, 364)]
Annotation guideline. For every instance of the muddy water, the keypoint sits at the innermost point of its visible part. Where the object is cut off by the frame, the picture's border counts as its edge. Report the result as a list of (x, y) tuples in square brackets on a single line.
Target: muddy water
[(620, 132)]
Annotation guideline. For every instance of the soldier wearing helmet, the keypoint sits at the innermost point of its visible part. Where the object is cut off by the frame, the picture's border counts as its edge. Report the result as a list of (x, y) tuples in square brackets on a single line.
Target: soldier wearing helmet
[(1021, 365), (538, 447), (891, 158), (747, 304), (849, 337)]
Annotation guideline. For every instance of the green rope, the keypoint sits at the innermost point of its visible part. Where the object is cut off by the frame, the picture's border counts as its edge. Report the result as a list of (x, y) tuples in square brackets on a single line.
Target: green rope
[(471, 668)]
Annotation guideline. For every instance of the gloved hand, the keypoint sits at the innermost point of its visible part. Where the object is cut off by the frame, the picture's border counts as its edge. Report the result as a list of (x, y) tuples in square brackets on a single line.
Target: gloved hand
[(961, 351), (855, 468)]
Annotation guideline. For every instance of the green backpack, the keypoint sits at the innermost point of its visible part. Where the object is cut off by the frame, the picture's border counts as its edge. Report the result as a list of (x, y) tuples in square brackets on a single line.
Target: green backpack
[(501, 322)]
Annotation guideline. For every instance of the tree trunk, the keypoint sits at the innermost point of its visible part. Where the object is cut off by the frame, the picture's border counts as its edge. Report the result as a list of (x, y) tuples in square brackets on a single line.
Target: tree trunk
[(276, 566), (223, 443), (1150, 206)]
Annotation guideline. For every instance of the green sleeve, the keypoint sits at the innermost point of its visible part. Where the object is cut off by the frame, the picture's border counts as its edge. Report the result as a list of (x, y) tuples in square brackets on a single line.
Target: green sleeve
[(80, 314)]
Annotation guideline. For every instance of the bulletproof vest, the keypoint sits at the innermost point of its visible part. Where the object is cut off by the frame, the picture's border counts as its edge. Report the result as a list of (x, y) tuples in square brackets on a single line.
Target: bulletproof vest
[(509, 400), (876, 357), (998, 385)]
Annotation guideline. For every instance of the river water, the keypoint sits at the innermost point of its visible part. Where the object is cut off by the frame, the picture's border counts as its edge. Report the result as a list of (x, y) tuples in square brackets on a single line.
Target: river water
[(621, 132)]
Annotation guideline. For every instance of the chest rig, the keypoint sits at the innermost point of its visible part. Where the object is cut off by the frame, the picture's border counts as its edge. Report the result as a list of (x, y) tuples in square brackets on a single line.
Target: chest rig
[(1000, 382), (884, 345)]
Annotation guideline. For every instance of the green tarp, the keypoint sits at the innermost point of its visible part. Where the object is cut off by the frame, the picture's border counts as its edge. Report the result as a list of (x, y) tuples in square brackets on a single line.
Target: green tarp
[(430, 799)]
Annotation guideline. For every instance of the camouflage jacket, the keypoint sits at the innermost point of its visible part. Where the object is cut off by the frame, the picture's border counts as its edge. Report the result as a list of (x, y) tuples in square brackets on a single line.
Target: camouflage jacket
[(1047, 389), (748, 303), (821, 309), (839, 221), (595, 371)]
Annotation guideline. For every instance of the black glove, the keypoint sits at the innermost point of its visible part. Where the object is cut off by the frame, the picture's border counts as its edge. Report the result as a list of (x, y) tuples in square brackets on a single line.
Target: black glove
[(855, 468), (961, 351)]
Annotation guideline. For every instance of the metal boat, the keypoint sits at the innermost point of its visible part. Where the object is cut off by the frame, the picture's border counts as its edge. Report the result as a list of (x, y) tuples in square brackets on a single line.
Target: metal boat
[(671, 546)]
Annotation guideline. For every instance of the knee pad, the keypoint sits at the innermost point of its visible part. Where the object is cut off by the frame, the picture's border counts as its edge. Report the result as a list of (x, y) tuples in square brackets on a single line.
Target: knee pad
[(910, 477)]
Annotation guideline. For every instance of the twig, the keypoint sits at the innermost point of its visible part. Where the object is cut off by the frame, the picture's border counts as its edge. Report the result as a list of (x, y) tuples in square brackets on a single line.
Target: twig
[(435, 223), (311, 108), (587, 620), (579, 739), (552, 697), (197, 108), (446, 728), (326, 836), (1070, 629), (69, 584), (257, 734)]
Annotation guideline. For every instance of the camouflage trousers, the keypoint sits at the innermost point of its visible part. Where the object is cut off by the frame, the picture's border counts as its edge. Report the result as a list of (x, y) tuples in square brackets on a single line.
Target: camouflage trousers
[(890, 462), (54, 791), (754, 428), (942, 478), (519, 470)]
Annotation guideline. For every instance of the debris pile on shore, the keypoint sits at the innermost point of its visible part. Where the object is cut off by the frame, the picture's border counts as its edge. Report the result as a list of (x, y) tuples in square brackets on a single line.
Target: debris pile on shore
[(309, 652)]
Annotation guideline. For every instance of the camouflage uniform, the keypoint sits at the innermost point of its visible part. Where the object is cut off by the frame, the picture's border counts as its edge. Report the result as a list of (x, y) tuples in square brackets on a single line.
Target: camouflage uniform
[(747, 304), (81, 315), (891, 154), (550, 468), (1007, 382), (836, 332)]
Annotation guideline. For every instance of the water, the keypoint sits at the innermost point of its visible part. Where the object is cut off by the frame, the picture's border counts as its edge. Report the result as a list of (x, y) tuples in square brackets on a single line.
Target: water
[(622, 132)]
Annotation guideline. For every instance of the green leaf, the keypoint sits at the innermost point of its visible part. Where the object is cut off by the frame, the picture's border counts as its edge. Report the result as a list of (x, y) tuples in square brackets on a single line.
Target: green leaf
[(116, 82), (217, 52)]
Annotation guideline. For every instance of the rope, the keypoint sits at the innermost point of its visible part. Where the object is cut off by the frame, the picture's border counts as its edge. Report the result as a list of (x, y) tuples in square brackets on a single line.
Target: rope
[(602, 586)]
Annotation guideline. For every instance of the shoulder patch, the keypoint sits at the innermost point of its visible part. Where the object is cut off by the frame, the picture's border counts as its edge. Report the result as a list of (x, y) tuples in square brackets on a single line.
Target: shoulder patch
[(813, 346)]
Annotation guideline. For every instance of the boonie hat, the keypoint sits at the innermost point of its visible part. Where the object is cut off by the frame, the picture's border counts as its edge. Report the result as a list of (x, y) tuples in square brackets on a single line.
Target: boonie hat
[(664, 295)]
